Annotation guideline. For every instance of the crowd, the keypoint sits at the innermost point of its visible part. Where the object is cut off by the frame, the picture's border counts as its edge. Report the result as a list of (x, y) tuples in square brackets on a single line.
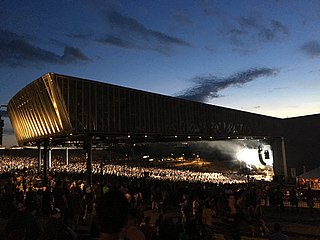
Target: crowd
[(68, 202), (79, 167)]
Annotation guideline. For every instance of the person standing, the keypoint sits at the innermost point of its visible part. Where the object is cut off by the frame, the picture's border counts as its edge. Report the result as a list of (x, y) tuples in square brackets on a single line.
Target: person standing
[(132, 230), (293, 197), (60, 199), (76, 209), (309, 197), (112, 216), (23, 223), (56, 229), (207, 222), (148, 230), (277, 233), (232, 218), (47, 201)]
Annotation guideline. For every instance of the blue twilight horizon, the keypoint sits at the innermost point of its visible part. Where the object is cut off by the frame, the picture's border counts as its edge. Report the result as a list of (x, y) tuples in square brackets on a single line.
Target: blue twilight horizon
[(252, 55)]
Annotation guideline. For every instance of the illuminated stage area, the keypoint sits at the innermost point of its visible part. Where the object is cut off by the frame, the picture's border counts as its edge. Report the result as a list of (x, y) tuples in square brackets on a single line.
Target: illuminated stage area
[(252, 157)]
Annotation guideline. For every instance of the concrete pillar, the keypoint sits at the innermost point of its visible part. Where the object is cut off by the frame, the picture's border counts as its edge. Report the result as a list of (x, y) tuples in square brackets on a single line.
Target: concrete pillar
[(284, 159), (279, 159), (39, 159), (67, 156), (89, 161), (45, 161), (49, 158)]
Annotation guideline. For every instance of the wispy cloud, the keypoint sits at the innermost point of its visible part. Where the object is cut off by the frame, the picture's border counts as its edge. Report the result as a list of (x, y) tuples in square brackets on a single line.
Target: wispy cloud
[(207, 87), (17, 50), (127, 32), (254, 29), (209, 9), (311, 49), (72, 54), (181, 16)]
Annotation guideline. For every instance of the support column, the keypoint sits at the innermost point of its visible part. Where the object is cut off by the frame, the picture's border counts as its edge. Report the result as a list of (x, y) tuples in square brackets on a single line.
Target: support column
[(284, 158), (101, 173), (89, 161), (49, 158), (45, 161), (39, 159), (67, 156), (279, 159)]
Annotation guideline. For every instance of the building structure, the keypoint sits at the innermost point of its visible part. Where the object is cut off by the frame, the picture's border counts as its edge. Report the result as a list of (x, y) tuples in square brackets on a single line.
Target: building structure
[(62, 110)]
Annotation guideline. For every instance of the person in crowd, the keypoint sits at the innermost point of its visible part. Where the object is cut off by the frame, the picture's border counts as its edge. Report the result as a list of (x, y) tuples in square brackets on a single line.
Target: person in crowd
[(293, 197), (133, 231), (30, 195), (232, 218), (167, 230), (56, 229), (60, 199), (155, 198), (47, 201), (277, 233), (186, 210), (112, 215), (207, 221), (183, 235), (75, 207), (278, 198), (23, 223), (88, 205), (309, 195), (196, 209), (158, 222), (148, 230), (257, 223), (9, 190)]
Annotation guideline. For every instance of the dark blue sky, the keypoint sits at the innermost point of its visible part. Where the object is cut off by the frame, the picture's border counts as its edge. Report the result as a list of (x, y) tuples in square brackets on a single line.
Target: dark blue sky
[(257, 56)]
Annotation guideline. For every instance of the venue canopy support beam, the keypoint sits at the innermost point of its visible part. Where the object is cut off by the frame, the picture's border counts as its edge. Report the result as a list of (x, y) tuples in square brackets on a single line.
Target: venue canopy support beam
[(45, 160), (89, 160), (67, 156), (39, 159)]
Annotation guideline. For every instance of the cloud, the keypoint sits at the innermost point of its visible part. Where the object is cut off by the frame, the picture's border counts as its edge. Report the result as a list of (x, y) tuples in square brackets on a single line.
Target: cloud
[(311, 49), (127, 32), (210, 86), (72, 54), (17, 50), (182, 18), (209, 9), (118, 42), (253, 29)]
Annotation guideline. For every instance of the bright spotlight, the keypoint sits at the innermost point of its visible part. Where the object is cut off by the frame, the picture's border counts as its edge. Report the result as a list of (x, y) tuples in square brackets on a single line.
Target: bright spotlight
[(252, 158)]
